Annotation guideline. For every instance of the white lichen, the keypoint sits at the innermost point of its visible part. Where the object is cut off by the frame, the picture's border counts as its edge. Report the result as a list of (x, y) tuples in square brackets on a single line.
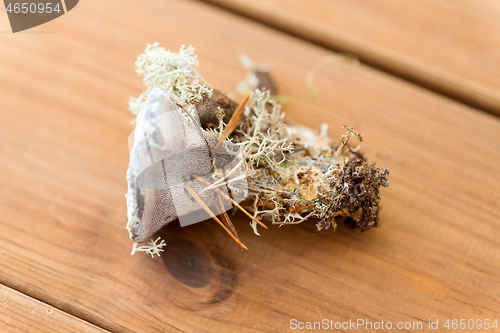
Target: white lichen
[(171, 72), (152, 248), (263, 141)]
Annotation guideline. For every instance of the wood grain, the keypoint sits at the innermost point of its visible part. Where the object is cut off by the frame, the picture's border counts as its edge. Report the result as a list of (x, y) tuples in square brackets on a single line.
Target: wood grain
[(63, 142), (20, 313), (450, 47)]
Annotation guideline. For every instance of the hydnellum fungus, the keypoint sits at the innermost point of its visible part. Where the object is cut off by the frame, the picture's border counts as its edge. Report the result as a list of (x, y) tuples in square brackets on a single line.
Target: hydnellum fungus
[(195, 150)]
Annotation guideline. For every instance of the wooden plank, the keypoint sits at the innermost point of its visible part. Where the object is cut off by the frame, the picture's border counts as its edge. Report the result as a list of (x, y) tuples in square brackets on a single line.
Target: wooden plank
[(21, 313), (447, 46), (63, 142)]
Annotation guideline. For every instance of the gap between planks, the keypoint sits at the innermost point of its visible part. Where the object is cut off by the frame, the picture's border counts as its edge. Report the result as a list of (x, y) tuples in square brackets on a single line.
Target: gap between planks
[(391, 62), (26, 313)]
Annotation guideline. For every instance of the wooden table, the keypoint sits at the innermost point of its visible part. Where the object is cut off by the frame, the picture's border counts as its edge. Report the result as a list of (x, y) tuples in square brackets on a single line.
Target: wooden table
[(65, 263)]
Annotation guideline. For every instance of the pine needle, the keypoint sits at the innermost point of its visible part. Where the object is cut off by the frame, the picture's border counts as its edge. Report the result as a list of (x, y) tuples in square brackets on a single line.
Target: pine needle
[(232, 124), (205, 207), (198, 178), (223, 214)]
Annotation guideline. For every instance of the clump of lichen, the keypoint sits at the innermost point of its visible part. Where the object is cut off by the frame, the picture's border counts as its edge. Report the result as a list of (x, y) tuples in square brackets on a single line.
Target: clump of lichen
[(171, 72)]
